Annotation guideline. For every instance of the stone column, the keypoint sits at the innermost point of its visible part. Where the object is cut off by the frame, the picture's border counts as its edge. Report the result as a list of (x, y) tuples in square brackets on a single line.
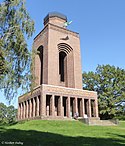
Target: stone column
[(37, 100), (40, 105), (83, 107), (89, 107), (43, 105), (30, 108), (60, 107), (96, 108), (73, 108), (33, 106), (81, 114), (68, 106), (53, 105), (76, 105), (20, 110), (26, 108)]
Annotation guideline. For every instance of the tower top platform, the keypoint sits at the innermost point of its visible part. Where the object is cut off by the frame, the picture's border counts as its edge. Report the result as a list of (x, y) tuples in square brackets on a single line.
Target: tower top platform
[(55, 14), (55, 18)]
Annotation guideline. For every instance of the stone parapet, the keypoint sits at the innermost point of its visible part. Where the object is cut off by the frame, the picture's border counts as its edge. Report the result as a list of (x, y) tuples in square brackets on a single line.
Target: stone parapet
[(57, 90), (35, 92), (72, 92)]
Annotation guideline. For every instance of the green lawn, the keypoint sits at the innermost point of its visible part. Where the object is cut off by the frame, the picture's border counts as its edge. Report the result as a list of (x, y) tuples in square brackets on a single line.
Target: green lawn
[(61, 133)]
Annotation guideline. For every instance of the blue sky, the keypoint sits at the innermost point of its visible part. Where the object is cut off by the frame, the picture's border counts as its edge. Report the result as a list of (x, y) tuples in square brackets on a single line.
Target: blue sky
[(100, 23)]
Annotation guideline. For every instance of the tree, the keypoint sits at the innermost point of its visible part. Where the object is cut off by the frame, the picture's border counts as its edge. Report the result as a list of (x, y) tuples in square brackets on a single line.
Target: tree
[(15, 27), (109, 82), (11, 114), (3, 111), (7, 114)]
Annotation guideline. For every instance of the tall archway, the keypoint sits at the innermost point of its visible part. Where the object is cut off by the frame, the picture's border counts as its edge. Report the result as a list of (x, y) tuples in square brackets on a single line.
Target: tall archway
[(62, 65), (40, 53), (66, 66)]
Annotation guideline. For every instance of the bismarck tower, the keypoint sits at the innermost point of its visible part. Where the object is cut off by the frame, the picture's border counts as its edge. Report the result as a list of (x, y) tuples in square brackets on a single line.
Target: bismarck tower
[(59, 61), (58, 78)]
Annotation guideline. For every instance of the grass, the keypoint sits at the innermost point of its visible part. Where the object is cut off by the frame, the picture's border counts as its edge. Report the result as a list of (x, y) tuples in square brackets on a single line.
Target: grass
[(61, 133)]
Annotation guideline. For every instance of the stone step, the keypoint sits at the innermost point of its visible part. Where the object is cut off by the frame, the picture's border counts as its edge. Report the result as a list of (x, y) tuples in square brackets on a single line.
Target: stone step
[(101, 122), (97, 121)]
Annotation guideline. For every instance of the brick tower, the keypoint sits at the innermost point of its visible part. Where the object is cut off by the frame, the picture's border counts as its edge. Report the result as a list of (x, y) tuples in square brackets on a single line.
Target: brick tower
[(58, 61), (57, 70)]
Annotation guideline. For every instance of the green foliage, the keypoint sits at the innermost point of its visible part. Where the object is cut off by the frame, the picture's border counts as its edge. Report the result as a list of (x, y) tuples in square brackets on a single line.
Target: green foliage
[(3, 111), (15, 58), (7, 114), (109, 82), (11, 114)]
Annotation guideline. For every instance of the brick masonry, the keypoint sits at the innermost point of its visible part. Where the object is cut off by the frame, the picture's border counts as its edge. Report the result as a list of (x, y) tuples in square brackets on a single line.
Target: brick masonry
[(58, 93)]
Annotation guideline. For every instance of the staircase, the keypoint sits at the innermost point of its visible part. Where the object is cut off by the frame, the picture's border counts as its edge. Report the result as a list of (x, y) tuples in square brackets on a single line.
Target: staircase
[(97, 121)]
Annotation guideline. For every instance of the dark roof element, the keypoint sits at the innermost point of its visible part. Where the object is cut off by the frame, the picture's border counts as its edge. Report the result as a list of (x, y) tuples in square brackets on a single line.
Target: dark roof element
[(55, 14)]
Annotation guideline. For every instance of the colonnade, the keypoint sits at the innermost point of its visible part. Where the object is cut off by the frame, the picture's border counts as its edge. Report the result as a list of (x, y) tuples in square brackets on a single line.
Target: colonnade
[(29, 108), (66, 106), (62, 106)]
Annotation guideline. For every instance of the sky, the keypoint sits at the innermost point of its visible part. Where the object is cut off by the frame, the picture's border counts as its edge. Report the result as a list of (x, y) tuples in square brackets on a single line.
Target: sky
[(100, 24)]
